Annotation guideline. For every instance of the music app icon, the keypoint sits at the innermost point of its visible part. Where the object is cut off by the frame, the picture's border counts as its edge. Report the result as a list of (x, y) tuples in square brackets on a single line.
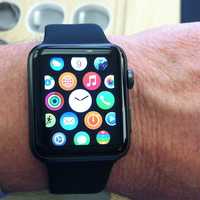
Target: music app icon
[(91, 81)]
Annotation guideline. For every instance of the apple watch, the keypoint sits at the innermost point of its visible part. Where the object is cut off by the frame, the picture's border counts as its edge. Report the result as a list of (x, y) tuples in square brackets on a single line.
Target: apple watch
[(78, 106)]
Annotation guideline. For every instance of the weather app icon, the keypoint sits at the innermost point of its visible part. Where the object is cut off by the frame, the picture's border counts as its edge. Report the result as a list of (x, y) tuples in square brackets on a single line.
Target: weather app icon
[(57, 63)]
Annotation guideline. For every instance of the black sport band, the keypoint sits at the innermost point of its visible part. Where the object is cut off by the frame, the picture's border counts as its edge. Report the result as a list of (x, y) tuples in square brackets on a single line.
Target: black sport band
[(74, 34), (77, 177)]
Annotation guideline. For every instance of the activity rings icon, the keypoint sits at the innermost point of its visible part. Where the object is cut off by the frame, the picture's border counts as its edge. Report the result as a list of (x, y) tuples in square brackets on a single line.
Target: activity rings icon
[(54, 101)]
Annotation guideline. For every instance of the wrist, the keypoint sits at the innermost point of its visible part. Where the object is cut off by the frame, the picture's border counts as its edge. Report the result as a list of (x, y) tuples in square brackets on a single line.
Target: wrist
[(18, 165), (141, 161), (164, 159)]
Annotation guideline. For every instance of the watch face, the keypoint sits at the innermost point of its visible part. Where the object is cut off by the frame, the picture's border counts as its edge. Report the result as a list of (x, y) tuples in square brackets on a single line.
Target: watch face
[(79, 99)]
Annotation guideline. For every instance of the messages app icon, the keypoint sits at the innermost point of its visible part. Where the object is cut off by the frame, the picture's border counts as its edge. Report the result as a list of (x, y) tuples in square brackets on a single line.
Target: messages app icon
[(81, 138)]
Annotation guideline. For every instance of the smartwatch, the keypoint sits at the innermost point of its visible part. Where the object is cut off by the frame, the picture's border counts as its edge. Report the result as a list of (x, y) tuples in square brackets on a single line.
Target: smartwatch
[(78, 106)]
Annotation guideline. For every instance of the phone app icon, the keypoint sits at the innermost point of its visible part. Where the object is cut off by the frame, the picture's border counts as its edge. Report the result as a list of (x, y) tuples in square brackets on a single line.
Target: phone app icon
[(109, 82), (54, 101), (49, 82), (79, 63), (93, 120), (59, 139), (69, 121), (103, 137), (100, 63), (110, 118), (105, 100), (91, 81), (80, 100), (67, 81), (81, 138), (57, 63), (50, 120)]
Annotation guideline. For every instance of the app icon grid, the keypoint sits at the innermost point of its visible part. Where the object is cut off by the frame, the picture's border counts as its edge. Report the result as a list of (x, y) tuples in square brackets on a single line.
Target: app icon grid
[(94, 93)]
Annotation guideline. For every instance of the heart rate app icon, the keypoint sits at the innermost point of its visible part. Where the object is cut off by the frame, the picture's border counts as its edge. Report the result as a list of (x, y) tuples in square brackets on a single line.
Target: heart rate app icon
[(67, 81), (69, 121), (91, 81), (57, 63), (93, 120)]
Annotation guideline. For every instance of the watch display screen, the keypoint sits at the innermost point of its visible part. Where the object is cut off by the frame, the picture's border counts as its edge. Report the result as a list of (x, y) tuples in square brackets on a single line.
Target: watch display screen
[(79, 101)]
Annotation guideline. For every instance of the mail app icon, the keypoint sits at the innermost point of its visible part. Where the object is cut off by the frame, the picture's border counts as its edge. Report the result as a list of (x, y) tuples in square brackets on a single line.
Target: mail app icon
[(69, 120)]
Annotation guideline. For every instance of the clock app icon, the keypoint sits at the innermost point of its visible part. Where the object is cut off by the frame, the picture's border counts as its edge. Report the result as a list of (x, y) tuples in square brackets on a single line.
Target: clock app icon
[(80, 100)]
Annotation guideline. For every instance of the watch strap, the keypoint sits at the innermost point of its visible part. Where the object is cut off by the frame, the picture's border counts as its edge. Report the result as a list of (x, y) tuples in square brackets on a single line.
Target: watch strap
[(78, 177), (74, 34)]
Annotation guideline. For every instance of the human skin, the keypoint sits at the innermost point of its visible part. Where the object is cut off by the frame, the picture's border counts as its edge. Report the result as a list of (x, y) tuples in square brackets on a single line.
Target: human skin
[(164, 157)]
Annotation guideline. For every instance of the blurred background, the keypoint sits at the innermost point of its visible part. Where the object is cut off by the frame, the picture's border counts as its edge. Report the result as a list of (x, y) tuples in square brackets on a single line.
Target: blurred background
[(24, 20)]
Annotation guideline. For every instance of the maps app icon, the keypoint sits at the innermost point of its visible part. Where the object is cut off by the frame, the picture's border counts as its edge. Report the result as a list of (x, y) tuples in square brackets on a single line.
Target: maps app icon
[(101, 63)]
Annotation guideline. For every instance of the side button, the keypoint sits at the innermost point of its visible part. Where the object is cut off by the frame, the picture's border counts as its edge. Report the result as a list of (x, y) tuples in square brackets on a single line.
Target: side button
[(130, 78)]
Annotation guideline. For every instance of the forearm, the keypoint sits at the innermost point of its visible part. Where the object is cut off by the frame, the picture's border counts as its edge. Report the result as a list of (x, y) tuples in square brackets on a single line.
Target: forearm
[(19, 170), (164, 157)]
